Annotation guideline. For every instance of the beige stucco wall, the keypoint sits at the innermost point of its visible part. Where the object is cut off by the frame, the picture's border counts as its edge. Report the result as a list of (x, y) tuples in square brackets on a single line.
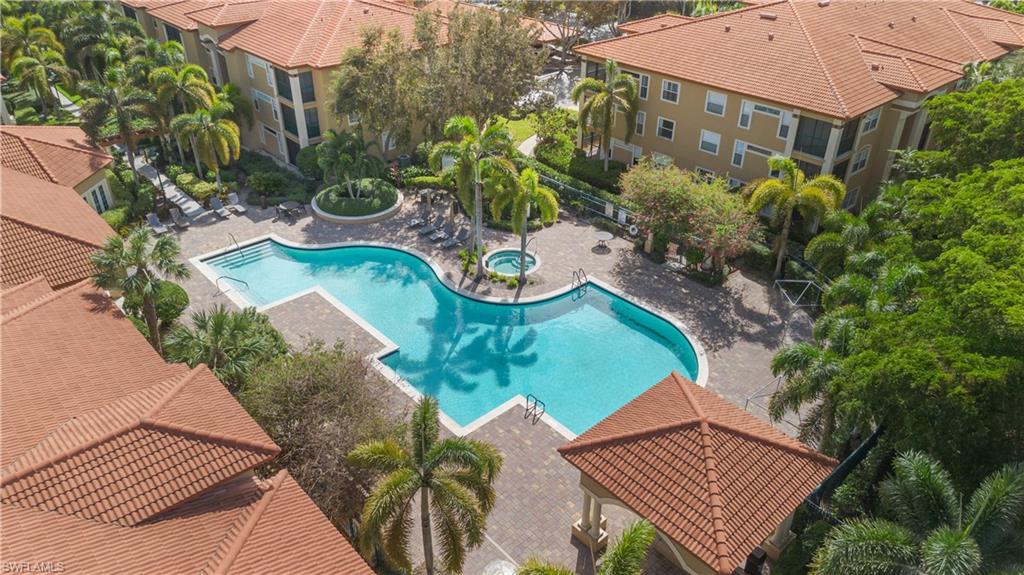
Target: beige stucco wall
[(83, 188)]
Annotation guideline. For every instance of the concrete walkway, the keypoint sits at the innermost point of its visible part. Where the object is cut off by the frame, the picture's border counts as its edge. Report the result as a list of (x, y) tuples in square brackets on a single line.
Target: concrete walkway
[(526, 148), (69, 106), (191, 208)]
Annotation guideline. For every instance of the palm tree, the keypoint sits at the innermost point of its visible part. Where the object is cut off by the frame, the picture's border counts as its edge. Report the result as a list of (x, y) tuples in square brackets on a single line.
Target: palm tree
[(189, 88), (931, 531), (151, 54), (454, 479), (848, 238), (230, 343), (215, 139), (242, 111), (33, 72), (890, 288), (26, 36), (346, 157), (625, 557), (520, 194), (91, 34), (134, 267), (602, 99), (813, 199), (478, 154), (118, 103)]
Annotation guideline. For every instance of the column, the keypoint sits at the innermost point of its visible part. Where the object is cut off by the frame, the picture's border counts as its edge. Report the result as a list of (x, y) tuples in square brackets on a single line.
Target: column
[(791, 137), (915, 134), (896, 135), (585, 523), (595, 519), (830, 150), (300, 113)]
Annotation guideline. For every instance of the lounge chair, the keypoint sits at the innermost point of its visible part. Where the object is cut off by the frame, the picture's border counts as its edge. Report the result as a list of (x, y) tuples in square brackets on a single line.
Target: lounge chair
[(419, 220), (460, 238), (218, 207), (179, 219), (431, 228), (234, 205), (155, 225), (438, 236)]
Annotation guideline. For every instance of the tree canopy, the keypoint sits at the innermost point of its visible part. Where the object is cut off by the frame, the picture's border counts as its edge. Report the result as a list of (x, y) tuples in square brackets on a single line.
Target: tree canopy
[(981, 125)]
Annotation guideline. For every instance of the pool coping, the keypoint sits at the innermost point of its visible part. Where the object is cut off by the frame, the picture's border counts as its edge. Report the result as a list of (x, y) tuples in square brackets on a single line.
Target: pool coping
[(389, 346), (487, 266)]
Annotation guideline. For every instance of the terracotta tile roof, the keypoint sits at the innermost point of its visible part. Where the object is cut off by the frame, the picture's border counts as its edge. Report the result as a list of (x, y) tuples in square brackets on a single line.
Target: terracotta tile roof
[(817, 48), (710, 476), (47, 229), (547, 31), (17, 295), (653, 23), (230, 13), (58, 154)]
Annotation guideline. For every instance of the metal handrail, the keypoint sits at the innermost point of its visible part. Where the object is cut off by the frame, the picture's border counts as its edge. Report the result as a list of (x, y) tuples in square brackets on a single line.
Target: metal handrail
[(527, 250), (534, 407), (237, 247), (217, 283)]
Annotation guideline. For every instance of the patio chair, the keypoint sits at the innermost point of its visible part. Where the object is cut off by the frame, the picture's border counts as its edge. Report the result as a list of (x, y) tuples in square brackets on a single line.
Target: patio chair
[(460, 238), (234, 205), (420, 220), (155, 225), (179, 219), (439, 235), (218, 207), (431, 228)]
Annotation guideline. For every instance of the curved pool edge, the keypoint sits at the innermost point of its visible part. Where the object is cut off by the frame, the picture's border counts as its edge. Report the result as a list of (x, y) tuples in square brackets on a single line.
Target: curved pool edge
[(488, 255), (447, 281)]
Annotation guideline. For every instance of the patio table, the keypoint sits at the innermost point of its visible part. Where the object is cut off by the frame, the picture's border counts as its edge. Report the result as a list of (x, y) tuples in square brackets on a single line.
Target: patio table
[(603, 238)]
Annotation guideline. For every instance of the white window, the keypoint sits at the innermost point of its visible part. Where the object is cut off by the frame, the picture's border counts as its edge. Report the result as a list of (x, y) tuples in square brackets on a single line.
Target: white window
[(97, 198), (706, 174), (387, 143), (714, 103), (643, 83), (785, 122), (353, 118), (709, 142), (670, 91), (860, 161), (666, 128), (739, 151), (870, 121), (641, 118), (767, 110), (270, 74), (745, 111)]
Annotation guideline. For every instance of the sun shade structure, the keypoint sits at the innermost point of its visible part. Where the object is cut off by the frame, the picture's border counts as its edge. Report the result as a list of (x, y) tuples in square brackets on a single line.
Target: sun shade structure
[(713, 479), (113, 461)]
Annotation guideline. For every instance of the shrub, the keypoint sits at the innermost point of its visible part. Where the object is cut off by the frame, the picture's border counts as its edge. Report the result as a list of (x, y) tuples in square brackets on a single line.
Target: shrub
[(421, 155), (269, 183), (171, 300), (591, 170), (375, 196), (556, 122), (421, 182), (115, 218), (759, 258), (415, 172), (203, 191), (186, 181), (251, 163), (561, 180), (557, 152), (173, 171), (306, 160)]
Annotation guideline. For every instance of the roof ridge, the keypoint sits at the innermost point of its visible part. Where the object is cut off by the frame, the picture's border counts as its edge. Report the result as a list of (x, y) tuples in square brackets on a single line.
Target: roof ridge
[(960, 29), (576, 444), (23, 285), (171, 393), (224, 439), (802, 451), (51, 231), (912, 73), (817, 56), (41, 301), (67, 147), (898, 47), (300, 46), (715, 497), (251, 520), (31, 152)]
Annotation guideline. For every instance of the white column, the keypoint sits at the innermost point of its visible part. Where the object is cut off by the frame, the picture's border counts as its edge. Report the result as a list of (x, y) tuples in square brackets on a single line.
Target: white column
[(595, 518), (896, 135), (300, 113), (915, 134), (791, 137), (781, 534), (830, 150), (588, 501)]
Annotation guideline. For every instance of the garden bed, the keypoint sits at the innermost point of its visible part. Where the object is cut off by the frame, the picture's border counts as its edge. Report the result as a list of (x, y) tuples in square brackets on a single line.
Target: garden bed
[(377, 200)]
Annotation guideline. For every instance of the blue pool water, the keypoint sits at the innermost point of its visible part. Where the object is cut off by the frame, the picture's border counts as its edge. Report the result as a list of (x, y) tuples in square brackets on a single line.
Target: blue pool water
[(507, 262), (584, 353)]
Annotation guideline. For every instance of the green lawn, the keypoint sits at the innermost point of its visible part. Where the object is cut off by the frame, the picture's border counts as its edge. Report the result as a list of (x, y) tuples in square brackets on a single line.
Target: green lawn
[(75, 98), (522, 129)]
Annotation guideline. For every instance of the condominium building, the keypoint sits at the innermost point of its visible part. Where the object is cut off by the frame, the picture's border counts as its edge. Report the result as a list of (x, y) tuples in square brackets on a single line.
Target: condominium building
[(837, 85)]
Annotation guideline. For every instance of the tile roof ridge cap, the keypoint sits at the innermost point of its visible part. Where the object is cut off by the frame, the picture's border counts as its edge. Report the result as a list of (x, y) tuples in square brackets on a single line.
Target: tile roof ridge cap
[(393, 6), (992, 18), (18, 287), (898, 47), (913, 74), (682, 384), (41, 301), (300, 46), (251, 520), (960, 29), (656, 16), (99, 153), (710, 459), (226, 440), (189, 376), (817, 56), (21, 139), (802, 450), (576, 444)]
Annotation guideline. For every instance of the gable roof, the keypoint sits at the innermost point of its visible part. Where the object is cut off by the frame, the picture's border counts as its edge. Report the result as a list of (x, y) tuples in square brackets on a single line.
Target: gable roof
[(708, 475), (47, 229), (653, 23), (57, 154), (824, 57)]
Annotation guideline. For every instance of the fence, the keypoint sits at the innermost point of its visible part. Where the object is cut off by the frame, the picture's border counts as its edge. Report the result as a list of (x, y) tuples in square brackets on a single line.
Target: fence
[(592, 204)]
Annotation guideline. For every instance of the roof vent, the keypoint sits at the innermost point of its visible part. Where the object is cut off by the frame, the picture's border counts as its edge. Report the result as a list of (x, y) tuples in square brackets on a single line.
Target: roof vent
[(727, 28), (769, 16), (876, 67), (822, 3), (366, 10), (913, 18), (771, 36), (892, 24)]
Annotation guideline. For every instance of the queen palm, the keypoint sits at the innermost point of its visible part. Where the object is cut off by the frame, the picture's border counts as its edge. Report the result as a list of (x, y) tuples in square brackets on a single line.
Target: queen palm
[(932, 531), (813, 198), (345, 156), (519, 195), (116, 103), (454, 481), (188, 87), (848, 239), (149, 55), (625, 557), (33, 72), (90, 36), (26, 36), (479, 154), (242, 111), (134, 266), (215, 139), (602, 99)]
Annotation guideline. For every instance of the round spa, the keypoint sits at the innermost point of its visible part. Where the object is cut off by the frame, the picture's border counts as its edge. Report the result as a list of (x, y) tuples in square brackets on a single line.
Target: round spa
[(506, 262)]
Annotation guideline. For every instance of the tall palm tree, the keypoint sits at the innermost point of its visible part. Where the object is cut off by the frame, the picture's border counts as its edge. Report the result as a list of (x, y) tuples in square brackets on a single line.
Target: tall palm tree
[(479, 154), (931, 531), (848, 239), (215, 139), (189, 88), (602, 99), (134, 266), (242, 111), (115, 102), (454, 480), (813, 198), (230, 343), (92, 34), (150, 54), (345, 156), (520, 194), (33, 72), (26, 36), (625, 557)]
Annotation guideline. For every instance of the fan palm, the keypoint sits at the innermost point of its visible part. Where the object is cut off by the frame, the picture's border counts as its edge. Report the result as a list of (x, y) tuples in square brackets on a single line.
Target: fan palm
[(34, 71), (26, 36), (479, 154), (134, 266), (189, 88), (215, 139), (812, 198), (345, 156), (520, 194), (230, 343), (453, 478), (602, 99), (115, 102), (931, 531), (625, 557)]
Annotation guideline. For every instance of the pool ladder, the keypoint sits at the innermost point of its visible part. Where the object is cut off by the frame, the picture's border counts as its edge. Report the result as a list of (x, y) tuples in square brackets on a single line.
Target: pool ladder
[(535, 408), (579, 280), (220, 291)]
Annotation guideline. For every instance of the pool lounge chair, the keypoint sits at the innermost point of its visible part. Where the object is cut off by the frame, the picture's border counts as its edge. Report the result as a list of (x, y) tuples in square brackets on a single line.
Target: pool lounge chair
[(218, 207), (234, 205), (460, 238), (431, 228), (179, 219), (419, 221), (155, 225), (438, 236)]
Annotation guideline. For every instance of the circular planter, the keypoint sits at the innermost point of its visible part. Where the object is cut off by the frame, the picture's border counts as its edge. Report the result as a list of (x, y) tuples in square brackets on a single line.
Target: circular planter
[(489, 255), (367, 219)]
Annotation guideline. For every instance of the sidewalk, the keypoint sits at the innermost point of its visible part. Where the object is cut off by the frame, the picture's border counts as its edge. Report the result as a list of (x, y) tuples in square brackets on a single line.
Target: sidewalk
[(191, 208)]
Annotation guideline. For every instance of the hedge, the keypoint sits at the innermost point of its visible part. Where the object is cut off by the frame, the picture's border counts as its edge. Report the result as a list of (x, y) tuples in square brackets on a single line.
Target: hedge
[(522, 161), (375, 196), (251, 163), (307, 163), (116, 218)]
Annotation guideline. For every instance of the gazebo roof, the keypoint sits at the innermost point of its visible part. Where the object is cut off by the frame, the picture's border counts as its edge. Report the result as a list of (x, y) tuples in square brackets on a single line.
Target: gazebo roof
[(710, 476)]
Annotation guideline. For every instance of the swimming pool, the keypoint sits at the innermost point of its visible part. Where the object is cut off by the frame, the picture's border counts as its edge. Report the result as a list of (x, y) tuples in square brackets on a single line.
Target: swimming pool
[(584, 353)]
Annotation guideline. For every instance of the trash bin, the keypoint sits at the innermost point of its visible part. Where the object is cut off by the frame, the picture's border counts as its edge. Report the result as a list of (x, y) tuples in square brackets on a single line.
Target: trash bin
[(404, 161)]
